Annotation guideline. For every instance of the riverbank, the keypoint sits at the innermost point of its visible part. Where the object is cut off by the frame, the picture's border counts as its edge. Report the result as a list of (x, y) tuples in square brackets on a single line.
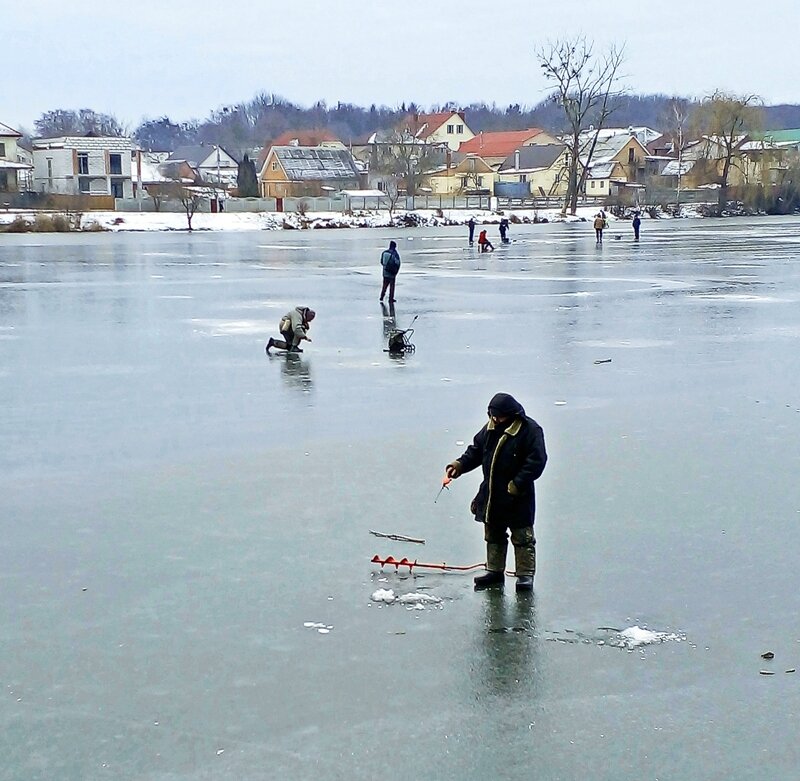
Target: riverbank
[(13, 220)]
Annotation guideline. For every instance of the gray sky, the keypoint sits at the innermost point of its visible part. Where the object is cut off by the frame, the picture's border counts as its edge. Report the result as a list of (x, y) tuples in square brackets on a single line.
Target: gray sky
[(184, 58)]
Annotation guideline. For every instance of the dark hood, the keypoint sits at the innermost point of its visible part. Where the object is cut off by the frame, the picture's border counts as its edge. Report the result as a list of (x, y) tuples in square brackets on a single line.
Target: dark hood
[(504, 404)]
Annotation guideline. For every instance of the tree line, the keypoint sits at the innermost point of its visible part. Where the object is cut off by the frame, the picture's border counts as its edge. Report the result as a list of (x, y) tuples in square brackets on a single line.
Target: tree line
[(247, 126)]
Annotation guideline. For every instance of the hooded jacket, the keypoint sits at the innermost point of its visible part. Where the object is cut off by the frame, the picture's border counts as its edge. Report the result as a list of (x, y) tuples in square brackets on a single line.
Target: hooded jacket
[(296, 322), (512, 456)]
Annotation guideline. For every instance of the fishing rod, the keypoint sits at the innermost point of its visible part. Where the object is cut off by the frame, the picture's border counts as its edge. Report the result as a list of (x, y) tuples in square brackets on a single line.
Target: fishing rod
[(445, 483)]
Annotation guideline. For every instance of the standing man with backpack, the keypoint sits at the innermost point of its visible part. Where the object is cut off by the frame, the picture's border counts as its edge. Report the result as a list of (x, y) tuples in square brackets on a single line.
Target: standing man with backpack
[(390, 260)]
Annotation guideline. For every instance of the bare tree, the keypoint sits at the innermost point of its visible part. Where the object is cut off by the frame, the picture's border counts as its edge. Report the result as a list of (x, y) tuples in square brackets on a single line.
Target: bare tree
[(675, 121), (404, 156), (584, 88), (190, 197), (391, 189), (726, 120)]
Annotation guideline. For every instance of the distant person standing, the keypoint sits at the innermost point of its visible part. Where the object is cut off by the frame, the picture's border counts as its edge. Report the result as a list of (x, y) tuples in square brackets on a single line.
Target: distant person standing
[(390, 260), (484, 243), (599, 224), (471, 226), (636, 223), (504, 230)]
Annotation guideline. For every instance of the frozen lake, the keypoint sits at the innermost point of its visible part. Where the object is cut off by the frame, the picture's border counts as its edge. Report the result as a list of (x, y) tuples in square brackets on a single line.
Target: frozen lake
[(181, 514)]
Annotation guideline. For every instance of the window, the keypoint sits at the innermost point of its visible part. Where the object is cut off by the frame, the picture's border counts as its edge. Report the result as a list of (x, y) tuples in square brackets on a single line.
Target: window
[(459, 128), (274, 165), (631, 155), (465, 181), (50, 171), (83, 162), (118, 188), (480, 181), (523, 177), (2, 149), (450, 130), (84, 184), (3, 181), (591, 184), (115, 165)]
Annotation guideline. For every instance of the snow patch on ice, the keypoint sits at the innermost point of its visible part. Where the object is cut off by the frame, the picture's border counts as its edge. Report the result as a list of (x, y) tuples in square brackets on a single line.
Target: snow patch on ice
[(414, 599), (636, 636)]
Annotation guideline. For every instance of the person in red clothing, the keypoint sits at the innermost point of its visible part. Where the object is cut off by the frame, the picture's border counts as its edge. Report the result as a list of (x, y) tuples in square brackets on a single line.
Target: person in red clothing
[(484, 243)]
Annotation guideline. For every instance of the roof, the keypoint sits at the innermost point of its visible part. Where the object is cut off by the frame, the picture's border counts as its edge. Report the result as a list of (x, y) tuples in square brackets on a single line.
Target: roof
[(791, 136), (313, 137), (602, 170), (427, 124), (609, 146), (16, 166), (500, 143), (533, 156), (117, 143), (303, 163), (674, 168), (5, 130), (197, 154)]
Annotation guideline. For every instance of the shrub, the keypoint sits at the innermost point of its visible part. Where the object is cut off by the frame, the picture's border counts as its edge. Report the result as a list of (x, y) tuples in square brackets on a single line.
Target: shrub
[(18, 225), (43, 223), (61, 223)]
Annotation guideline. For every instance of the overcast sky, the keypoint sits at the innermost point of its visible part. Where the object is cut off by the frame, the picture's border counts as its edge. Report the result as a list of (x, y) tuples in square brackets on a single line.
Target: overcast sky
[(184, 58)]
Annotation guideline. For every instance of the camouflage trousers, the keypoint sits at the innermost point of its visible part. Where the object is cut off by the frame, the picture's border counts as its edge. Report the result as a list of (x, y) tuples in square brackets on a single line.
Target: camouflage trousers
[(497, 547)]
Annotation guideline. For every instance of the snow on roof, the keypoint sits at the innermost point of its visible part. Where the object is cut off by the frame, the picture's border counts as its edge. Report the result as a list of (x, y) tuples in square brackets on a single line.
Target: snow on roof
[(5, 130), (302, 163), (673, 168), (16, 166), (601, 170)]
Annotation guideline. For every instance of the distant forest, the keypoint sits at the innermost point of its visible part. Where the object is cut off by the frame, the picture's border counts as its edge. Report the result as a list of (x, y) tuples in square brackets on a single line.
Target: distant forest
[(245, 127)]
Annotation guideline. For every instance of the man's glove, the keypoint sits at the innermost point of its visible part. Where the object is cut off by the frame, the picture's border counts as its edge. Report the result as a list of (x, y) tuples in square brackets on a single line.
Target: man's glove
[(453, 470), (513, 490)]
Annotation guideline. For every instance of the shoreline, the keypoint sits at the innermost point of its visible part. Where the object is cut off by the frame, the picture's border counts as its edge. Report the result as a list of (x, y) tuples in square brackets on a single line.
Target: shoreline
[(38, 221)]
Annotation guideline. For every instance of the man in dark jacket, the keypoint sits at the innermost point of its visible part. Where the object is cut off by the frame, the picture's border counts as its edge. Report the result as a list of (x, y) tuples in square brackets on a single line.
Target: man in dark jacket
[(390, 260), (510, 448)]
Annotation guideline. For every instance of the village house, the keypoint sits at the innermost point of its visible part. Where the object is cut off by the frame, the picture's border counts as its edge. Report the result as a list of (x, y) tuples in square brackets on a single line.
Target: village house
[(539, 170), (472, 176), (15, 171), (307, 171), (211, 161), (445, 127), (83, 165), (495, 147)]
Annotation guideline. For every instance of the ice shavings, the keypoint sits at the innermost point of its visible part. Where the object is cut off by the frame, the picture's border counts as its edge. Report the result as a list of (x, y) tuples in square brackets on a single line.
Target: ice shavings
[(414, 600), (636, 636), (323, 629)]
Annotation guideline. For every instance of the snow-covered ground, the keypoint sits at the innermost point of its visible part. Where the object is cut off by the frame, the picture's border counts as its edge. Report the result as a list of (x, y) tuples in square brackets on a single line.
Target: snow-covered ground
[(236, 221)]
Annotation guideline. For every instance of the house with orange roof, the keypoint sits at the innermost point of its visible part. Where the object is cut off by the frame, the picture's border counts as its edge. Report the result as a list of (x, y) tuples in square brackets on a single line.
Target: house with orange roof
[(495, 146), (442, 127)]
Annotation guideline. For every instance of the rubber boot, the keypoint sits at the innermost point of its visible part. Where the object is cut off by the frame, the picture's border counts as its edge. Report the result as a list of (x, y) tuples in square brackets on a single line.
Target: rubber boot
[(524, 557), (270, 343), (495, 565)]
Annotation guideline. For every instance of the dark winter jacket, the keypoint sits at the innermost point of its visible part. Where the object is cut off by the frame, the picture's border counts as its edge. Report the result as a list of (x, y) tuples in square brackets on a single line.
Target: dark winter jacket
[(390, 260), (512, 456)]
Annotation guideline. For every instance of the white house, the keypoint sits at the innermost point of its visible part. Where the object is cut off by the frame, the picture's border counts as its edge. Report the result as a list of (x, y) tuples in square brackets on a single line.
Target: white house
[(83, 165), (212, 162), (14, 168)]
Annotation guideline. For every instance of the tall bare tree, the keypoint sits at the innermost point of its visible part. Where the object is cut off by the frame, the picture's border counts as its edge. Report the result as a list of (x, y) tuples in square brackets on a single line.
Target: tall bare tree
[(585, 86), (404, 156), (726, 120), (675, 121)]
